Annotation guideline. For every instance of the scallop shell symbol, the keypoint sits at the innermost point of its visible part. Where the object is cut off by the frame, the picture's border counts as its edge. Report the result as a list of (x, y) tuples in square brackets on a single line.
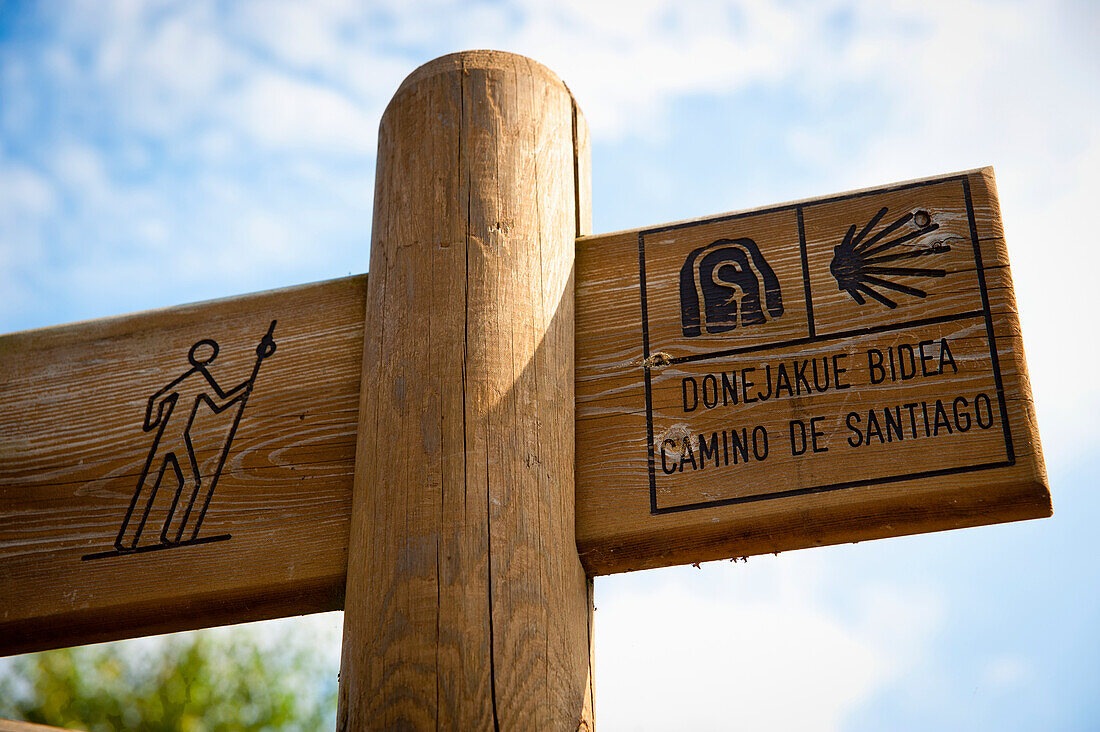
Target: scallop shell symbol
[(862, 267)]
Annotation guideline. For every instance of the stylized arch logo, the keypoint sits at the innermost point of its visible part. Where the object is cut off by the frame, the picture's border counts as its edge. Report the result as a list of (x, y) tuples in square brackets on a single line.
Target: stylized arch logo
[(725, 283)]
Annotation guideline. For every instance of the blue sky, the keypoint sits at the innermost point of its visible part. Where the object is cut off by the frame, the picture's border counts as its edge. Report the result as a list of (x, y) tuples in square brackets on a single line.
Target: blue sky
[(159, 153)]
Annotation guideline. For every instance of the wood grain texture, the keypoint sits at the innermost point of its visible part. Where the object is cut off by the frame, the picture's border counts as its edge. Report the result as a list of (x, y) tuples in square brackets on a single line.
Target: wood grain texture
[(650, 377), (467, 606), (582, 157), (72, 401), (72, 449)]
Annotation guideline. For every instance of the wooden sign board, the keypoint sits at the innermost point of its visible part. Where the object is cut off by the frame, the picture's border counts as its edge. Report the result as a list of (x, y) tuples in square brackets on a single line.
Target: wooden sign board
[(827, 371), (179, 468)]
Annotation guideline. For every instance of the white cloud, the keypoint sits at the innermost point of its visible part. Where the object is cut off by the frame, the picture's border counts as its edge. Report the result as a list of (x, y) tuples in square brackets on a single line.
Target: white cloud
[(1000, 85), (753, 646), (1004, 673), (26, 194), (27, 199), (292, 114), (238, 155), (626, 61)]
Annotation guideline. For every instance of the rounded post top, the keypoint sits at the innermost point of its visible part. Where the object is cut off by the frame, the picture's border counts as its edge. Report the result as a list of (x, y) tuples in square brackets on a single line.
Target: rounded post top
[(486, 60)]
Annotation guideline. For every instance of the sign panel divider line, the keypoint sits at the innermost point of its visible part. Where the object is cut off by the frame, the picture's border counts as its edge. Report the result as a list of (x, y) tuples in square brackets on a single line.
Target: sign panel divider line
[(799, 205), (854, 333), (645, 369), (806, 273), (831, 487), (994, 360)]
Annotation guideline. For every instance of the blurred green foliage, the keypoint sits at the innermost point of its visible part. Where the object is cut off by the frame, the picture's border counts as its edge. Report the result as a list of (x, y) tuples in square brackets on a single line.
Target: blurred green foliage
[(190, 682)]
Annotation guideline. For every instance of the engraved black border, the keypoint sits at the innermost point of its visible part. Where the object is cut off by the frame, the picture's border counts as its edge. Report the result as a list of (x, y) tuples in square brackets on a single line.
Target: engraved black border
[(985, 313)]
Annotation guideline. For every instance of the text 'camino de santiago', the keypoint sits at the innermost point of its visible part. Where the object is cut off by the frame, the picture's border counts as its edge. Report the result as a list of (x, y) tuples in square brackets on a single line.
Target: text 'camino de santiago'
[(864, 428)]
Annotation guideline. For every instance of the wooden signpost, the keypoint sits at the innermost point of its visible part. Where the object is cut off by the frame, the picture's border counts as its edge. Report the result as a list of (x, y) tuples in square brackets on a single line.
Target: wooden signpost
[(825, 371), (451, 450)]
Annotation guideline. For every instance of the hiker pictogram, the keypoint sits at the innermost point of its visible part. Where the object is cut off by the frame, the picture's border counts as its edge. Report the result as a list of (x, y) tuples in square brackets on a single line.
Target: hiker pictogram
[(172, 465)]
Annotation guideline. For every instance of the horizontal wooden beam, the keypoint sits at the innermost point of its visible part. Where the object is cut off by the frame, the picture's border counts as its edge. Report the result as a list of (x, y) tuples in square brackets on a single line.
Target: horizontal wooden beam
[(78, 466), (820, 372), (73, 452)]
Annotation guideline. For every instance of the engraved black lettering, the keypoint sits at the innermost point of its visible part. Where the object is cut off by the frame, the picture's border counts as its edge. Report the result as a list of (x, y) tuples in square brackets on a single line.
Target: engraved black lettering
[(800, 376), (924, 359), (729, 388), (708, 450), (874, 366), (837, 371), (852, 420), (760, 442), (740, 445), (669, 469), (825, 369), (873, 427), (962, 421), (912, 406), (814, 434), (798, 437), (768, 381), (687, 455), (946, 357), (710, 391), (981, 404), (783, 381), (746, 385), (907, 355), (694, 399), (893, 423), (941, 419)]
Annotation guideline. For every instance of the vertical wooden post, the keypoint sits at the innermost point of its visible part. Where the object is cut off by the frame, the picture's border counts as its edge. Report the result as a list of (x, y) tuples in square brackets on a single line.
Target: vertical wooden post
[(466, 604)]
